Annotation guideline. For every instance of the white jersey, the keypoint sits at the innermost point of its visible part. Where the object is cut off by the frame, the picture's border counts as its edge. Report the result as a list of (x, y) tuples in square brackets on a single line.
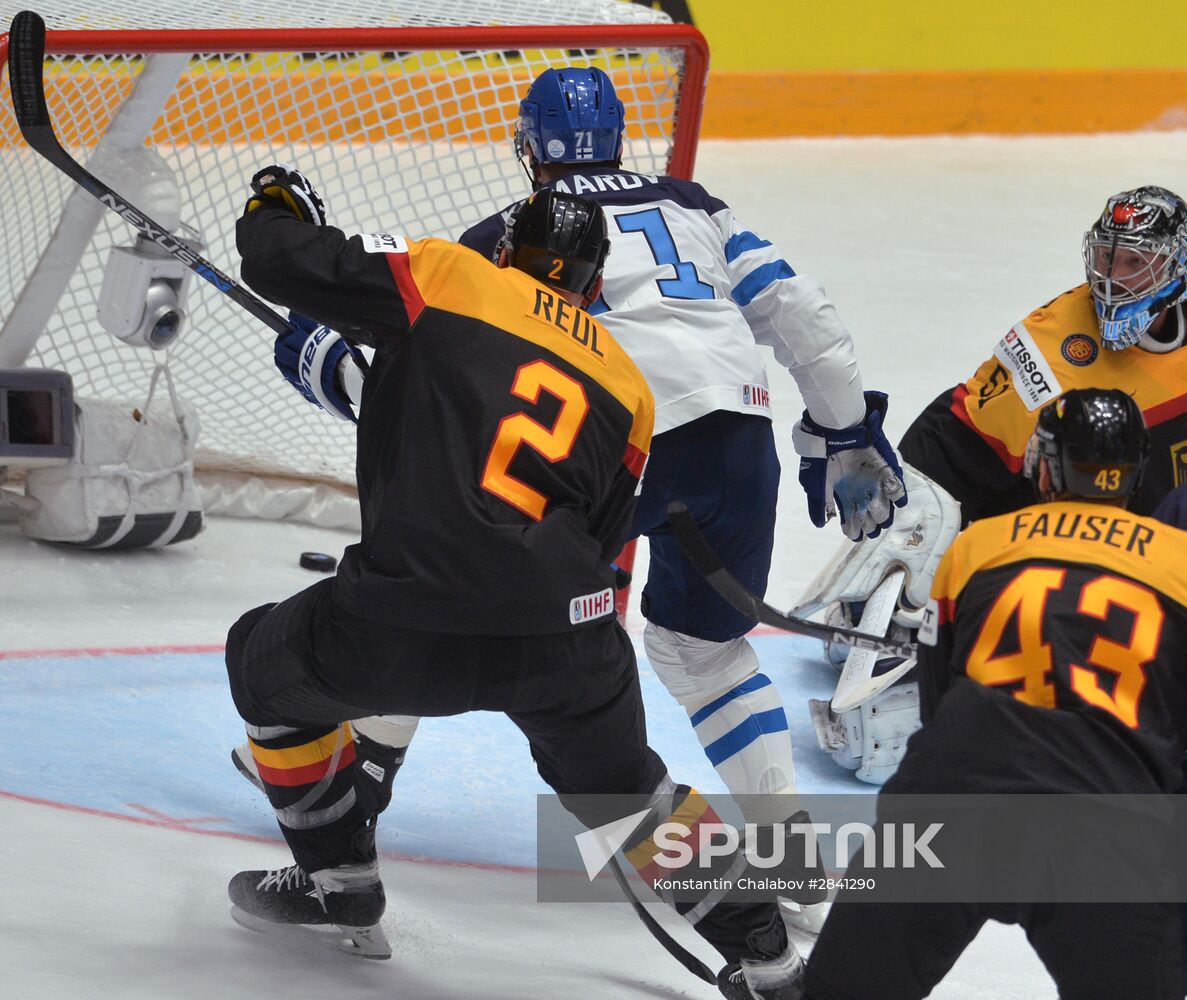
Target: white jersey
[(690, 294)]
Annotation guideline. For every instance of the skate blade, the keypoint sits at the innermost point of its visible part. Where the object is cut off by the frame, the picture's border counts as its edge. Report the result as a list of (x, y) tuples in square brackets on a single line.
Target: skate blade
[(359, 942)]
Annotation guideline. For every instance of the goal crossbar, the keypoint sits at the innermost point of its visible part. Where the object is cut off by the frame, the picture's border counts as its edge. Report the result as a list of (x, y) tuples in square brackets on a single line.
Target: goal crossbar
[(506, 37)]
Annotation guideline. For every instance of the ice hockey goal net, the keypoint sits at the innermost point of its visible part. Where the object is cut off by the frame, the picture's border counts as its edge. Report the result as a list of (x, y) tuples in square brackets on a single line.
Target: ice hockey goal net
[(402, 113)]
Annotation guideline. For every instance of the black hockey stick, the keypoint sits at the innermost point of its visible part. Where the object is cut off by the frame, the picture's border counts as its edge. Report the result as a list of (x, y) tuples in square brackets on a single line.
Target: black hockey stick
[(26, 52), (705, 561), (669, 943)]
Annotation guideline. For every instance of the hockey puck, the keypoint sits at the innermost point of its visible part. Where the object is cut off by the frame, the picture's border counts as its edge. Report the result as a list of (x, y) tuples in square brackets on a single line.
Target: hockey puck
[(319, 562)]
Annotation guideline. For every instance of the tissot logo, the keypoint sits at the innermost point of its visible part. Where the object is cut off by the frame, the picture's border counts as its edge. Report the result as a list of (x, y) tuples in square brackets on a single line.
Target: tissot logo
[(384, 243), (929, 629), (1033, 379)]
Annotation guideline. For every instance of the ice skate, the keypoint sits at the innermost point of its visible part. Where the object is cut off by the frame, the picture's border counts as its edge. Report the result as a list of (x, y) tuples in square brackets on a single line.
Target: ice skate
[(337, 907), (771, 970)]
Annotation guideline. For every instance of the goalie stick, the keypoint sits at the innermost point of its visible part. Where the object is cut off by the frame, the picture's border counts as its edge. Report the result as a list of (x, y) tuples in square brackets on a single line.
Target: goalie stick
[(857, 682), (706, 562), (26, 52)]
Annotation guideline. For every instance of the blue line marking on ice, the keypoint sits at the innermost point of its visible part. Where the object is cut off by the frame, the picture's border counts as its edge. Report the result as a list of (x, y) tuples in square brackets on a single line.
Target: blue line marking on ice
[(146, 735)]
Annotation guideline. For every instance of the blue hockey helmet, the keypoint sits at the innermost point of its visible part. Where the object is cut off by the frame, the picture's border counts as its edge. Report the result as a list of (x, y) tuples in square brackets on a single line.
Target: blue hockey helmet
[(1135, 257), (570, 115)]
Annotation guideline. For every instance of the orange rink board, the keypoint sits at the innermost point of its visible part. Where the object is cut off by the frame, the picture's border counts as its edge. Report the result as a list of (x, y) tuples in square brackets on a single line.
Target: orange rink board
[(348, 105), (436, 104), (1004, 102)]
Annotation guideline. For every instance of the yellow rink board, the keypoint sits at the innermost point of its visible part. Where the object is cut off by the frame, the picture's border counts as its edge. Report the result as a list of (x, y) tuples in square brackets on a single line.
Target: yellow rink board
[(879, 67)]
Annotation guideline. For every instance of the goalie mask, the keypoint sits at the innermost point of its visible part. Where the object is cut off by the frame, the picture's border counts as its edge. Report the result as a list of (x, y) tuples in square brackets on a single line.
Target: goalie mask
[(560, 240), (1095, 442), (1135, 257)]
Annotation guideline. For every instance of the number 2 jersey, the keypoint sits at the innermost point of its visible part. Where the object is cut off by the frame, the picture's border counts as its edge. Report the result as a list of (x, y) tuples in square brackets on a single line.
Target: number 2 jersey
[(972, 439), (501, 435), (1053, 656), (690, 294)]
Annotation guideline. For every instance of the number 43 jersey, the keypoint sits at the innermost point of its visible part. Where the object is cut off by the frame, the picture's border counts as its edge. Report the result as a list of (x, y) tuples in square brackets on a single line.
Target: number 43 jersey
[(691, 294), (501, 436), (1070, 620)]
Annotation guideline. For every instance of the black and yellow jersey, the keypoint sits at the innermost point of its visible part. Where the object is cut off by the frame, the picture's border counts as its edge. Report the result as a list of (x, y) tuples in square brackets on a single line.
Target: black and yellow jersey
[(972, 438), (501, 436), (1070, 621)]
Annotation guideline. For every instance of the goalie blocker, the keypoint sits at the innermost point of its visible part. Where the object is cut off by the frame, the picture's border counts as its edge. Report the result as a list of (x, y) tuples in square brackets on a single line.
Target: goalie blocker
[(879, 586)]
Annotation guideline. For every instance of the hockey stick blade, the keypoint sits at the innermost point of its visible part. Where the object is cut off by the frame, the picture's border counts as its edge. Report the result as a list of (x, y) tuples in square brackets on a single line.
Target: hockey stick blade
[(669, 943), (26, 54), (705, 561), (26, 48)]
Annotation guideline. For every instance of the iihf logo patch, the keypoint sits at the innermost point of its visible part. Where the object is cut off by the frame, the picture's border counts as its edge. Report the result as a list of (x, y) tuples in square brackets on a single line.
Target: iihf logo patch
[(1079, 349), (591, 606), (755, 395)]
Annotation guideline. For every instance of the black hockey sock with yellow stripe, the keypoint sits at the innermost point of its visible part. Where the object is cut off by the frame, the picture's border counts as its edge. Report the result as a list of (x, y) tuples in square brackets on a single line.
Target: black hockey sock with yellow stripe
[(725, 924), (309, 776)]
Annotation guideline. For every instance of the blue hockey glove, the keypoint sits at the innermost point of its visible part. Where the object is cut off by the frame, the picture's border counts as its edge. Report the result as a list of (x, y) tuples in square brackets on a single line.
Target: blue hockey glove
[(278, 183), (308, 356), (854, 470)]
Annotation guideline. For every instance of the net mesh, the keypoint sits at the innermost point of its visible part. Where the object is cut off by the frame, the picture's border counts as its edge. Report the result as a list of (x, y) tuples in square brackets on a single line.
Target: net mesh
[(416, 142)]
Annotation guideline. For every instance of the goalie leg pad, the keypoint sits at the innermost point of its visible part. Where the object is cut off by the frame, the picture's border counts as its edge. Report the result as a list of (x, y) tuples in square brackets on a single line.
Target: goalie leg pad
[(870, 740), (734, 709)]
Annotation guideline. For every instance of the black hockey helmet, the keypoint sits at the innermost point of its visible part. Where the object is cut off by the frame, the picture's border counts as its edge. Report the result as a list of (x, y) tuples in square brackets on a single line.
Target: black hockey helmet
[(560, 240), (1095, 442)]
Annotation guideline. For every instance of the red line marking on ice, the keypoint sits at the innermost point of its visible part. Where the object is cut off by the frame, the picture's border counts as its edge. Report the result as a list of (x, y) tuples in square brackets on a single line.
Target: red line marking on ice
[(64, 654), (97, 651), (170, 824), (175, 822)]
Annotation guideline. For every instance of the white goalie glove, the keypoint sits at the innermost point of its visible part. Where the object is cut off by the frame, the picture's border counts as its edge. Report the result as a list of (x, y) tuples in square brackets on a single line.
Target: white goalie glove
[(915, 543)]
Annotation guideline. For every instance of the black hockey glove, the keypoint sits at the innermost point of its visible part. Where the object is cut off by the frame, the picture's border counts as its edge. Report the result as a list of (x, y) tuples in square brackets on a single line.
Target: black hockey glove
[(281, 185)]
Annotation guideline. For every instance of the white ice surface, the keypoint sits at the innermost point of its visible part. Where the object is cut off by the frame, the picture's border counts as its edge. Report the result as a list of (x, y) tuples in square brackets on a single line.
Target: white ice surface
[(115, 876)]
